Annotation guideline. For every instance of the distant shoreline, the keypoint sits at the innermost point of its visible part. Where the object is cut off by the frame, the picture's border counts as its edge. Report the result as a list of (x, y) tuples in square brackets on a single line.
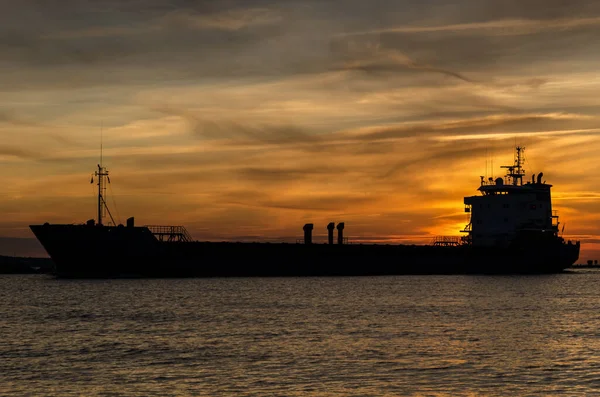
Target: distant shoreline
[(584, 266), (25, 265)]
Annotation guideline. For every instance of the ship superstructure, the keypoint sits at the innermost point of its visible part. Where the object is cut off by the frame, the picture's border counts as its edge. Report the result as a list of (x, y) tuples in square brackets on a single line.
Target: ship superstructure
[(508, 207)]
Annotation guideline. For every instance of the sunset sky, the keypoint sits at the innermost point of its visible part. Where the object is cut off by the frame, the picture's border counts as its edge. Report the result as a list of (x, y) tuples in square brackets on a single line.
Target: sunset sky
[(246, 119)]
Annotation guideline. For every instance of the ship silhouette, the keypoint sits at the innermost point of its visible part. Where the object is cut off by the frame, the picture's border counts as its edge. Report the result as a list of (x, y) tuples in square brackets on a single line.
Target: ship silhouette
[(512, 230)]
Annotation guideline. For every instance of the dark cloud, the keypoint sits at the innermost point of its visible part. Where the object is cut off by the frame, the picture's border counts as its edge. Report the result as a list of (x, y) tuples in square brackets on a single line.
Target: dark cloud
[(22, 47), (372, 57), (436, 155), (287, 175), (9, 117), (471, 52), (531, 9), (143, 41), (479, 125), (40, 131), (6, 150), (470, 36), (330, 202), (112, 42), (175, 160), (241, 133), (264, 134)]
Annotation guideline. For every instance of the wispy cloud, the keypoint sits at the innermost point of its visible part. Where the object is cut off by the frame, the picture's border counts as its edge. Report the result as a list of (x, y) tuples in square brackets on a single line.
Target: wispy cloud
[(233, 20), (20, 153), (226, 20), (480, 127), (97, 32), (503, 27), (388, 60), (238, 132), (11, 118)]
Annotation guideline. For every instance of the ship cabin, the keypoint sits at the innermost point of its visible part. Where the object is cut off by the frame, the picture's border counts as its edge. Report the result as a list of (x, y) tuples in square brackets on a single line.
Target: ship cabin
[(507, 207)]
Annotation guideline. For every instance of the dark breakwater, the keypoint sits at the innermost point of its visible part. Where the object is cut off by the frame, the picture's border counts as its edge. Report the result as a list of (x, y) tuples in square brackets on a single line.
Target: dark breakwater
[(25, 265)]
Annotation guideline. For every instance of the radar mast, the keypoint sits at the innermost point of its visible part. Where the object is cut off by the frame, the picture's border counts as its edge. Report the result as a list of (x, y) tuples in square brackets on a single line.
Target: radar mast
[(102, 173), (102, 207), (516, 172)]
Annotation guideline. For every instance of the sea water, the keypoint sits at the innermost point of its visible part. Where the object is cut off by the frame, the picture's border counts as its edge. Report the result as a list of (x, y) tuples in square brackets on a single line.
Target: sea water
[(345, 336)]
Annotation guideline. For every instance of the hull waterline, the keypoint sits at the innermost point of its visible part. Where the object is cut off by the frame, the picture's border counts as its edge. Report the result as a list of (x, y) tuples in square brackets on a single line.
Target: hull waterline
[(135, 252)]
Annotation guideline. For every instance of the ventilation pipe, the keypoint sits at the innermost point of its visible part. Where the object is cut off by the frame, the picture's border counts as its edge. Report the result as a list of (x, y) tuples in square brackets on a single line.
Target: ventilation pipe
[(340, 228), (308, 228), (330, 228)]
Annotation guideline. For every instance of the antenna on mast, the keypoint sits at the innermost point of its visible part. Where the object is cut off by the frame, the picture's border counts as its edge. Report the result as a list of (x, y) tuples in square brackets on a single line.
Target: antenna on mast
[(486, 162), (516, 172), (492, 160)]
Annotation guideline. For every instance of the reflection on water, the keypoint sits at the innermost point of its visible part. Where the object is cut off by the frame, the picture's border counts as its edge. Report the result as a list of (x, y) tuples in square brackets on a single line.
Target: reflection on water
[(407, 335)]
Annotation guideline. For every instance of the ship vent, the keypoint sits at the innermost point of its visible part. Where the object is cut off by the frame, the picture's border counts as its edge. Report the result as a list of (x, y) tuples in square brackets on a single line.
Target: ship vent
[(447, 241), (170, 233)]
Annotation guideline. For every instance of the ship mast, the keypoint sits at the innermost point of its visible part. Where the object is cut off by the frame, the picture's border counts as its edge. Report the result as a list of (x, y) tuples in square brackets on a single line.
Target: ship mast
[(516, 171), (101, 174)]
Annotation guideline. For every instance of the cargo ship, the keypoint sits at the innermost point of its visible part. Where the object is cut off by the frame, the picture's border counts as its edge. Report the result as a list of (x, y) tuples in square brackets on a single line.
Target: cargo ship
[(512, 229)]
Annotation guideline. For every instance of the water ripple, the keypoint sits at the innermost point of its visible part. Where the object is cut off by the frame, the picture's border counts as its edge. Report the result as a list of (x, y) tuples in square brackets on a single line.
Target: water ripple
[(379, 336)]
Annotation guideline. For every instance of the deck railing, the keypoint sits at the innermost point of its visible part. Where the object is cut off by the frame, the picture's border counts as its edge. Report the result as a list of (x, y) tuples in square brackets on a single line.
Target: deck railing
[(170, 233), (345, 241), (448, 241)]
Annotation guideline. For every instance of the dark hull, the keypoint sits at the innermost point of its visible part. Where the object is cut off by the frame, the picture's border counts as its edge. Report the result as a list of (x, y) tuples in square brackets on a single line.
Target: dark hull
[(108, 252)]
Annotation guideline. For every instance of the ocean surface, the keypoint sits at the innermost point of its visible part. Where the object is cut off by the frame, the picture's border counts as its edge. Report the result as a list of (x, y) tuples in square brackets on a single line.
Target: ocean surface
[(365, 336)]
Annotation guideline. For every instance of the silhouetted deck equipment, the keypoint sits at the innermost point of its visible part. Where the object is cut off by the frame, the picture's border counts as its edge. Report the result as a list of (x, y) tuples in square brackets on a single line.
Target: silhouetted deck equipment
[(330, 228), (447, 241), (170, 233), (308, 228), (340, 229)]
